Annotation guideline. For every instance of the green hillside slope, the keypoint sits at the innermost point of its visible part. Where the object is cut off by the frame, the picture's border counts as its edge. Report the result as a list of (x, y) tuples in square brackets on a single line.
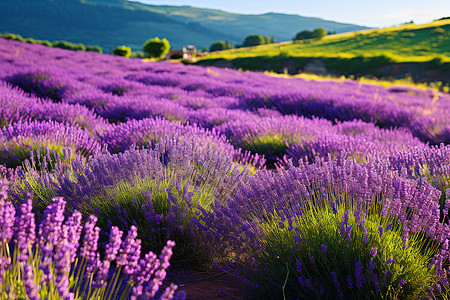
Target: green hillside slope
[(109, 23), (349, 53)]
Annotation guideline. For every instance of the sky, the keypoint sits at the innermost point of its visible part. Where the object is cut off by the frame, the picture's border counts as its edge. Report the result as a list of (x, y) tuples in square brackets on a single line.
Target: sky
[(381, 13)]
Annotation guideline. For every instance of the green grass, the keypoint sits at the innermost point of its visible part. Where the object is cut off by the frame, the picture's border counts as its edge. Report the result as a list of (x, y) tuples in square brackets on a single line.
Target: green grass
[(350, 52)]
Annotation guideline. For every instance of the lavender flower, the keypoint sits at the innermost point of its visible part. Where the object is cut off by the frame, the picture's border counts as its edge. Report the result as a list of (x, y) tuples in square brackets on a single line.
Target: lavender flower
[(28, 280), (129, 252), (336, 284), (324, 248), (298, 265), (89, 249)]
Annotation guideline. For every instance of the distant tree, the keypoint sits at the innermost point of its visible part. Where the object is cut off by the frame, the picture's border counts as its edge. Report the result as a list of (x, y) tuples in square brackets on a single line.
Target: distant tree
[(68, 45), (219, 46), (122, 51), (254, 40), (331, 32), (307, 34), (30, 41), (268, 39), (44, 42), (319, 33), (94, 49), (12, 36), (304, 35), (137, 54), (156, 48), (444, 18)]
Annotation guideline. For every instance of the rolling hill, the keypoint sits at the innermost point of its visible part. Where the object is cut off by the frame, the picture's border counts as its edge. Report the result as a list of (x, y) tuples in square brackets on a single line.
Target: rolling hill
[(119, 22), (413, 49)]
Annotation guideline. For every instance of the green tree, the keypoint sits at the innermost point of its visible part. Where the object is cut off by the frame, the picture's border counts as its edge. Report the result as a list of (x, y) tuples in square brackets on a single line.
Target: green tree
[(122, 51), (254, 40), (94, 49), (319, 33), (137, 54), (219, 46), (303, 35), (156, 48)]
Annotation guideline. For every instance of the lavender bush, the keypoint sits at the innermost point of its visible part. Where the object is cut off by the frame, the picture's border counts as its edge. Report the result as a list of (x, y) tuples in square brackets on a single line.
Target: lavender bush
[(49, 261), (19, 140)]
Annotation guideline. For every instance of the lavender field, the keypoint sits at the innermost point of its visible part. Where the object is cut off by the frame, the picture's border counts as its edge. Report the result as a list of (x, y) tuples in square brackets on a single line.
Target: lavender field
[(298, 189)]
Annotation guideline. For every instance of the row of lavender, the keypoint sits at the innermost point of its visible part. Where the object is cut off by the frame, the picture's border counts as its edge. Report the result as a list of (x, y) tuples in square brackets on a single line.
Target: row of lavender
[(193, 183)]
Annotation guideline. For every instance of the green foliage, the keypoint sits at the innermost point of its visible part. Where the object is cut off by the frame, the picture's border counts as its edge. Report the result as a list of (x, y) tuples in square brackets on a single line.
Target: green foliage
[(319, 33), (44, 42), (122, 51), (176, 56), (254, 40), (285, 259), (156, 48), (219, 46), (12, 36), (137, 54), (97, 49), (304, 35), (57, 44), (68, 46)]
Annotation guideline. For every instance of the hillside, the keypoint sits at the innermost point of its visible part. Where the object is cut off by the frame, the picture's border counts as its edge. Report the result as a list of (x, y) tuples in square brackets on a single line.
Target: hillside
[(349, 53), (112, 23)]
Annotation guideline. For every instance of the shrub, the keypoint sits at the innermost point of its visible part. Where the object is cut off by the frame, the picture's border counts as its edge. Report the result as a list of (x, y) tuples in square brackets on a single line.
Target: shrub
[(12, 36), (19, 141), (97, 49), (68, 46), (253, 40), (219, 46), (319, 33), (156, 48), (122, 51), (159, 189), (137, 54), (304, 35)]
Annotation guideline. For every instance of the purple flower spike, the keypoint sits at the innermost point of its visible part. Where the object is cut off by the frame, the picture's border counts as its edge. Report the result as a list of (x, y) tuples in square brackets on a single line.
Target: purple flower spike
[(25, 228), (7, 214), (73, 228), (113, 247), (28, 281), (333, 207), (360, 280), (311, 259), (380, 229), (373, 251), (324, 248), (61, 271), (130, 252), (89, 249), (281, 225), (298, 265), (169, 292), (336, 284), (349, 282), (389, 261), (160, 274), (50, 227), (401, 283)]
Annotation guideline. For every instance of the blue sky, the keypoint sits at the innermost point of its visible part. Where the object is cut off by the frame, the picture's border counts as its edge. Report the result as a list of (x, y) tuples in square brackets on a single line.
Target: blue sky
[(382, 13)]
